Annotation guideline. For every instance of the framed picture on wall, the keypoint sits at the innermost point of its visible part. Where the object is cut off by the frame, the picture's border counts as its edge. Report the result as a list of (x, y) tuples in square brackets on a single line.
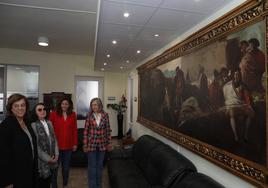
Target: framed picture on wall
[(209, 92), (51, 99)]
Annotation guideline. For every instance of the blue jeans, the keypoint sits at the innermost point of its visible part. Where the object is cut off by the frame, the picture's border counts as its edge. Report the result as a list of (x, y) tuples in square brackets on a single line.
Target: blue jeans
[(95, 166), (65, 159)]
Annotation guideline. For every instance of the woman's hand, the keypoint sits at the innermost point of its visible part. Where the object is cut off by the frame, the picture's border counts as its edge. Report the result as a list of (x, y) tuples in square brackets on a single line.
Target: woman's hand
[(109, 147), (53, 159), (74, 147), (9, 186), (85, 149), (56, 158)]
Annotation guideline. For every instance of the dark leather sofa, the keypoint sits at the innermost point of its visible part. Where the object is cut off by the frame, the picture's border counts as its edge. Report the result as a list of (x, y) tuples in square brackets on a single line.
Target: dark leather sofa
[(79, 157), (153, 164)]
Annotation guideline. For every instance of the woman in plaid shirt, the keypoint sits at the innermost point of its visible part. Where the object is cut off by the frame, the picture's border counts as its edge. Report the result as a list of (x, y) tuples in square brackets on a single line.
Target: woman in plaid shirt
[(97, 136)]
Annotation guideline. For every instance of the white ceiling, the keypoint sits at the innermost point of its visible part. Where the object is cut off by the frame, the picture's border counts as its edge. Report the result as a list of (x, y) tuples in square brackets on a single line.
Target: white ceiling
[(70, 26)]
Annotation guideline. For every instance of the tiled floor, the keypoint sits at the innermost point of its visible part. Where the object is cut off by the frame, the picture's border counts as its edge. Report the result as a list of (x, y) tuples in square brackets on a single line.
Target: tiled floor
[(78, 178)]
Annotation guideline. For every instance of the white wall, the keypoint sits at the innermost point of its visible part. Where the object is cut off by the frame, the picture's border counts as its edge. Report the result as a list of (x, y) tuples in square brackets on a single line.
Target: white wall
[(58, 71), (222, 176)]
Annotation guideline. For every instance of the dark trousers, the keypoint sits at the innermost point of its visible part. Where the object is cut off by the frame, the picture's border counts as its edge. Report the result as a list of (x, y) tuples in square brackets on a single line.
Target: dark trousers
[(95, 166), (44, 182), (64, 159)]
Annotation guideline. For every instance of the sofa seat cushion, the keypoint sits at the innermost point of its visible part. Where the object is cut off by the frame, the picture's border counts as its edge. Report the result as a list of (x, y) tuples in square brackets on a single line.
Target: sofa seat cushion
[(126, 174), (120, 154), (79, 158)]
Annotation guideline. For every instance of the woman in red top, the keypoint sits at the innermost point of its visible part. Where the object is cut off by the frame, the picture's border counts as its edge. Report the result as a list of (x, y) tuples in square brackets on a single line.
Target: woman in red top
[(65, 127), (97, 136)]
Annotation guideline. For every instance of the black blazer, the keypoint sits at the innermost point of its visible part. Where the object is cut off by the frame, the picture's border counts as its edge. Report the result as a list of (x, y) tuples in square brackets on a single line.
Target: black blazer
[(17, 165)]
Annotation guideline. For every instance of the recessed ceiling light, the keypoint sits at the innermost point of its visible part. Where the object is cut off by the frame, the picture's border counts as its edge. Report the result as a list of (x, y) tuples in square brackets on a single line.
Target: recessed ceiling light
[(114, 41), (156, 35), (108, 55), (138, 51), (197, 1), (102, 69), (121, 68), (42, 41), (126, 14), (104, 64), (127, 61)]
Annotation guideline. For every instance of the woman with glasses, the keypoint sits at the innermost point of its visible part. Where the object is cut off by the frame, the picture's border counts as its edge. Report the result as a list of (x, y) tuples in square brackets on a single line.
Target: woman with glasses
[(65, 127), (47, 145), (18, 159)]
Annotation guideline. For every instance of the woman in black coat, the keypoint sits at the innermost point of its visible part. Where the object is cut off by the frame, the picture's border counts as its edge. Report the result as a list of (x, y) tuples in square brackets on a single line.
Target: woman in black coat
[(18, 150)]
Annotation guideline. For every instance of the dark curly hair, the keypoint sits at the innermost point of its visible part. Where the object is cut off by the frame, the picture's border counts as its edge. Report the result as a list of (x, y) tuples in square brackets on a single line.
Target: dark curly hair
[(14, 98), (70, 109)]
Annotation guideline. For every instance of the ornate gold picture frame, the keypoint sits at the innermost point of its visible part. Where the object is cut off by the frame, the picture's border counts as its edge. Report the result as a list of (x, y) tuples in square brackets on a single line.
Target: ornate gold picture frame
[(208, 93)]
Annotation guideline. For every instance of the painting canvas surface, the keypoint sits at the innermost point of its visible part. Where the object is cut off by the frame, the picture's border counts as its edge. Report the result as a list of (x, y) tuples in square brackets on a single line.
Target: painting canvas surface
[(215, 94)]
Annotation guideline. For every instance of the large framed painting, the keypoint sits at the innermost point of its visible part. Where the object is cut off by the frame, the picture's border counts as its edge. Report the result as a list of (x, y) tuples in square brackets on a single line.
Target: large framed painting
[(208, 93)]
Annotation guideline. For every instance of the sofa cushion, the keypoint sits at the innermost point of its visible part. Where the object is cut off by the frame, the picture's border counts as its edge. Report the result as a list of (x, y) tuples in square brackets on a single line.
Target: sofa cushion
[(197, 180), (142, 149), (79, 158), (80, 137), (120, 154), (165, 165), (126, 174)]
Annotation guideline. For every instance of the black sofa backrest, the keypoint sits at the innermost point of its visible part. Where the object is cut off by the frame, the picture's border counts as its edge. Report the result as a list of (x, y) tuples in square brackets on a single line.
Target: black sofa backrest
[(142, 149), (80, 137), (160, 163), (79, 157), (197, 180), (165, 165)]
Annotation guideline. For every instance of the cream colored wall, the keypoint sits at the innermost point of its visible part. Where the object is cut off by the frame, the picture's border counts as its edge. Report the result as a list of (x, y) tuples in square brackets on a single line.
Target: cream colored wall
[(222, 176), (57, 73)]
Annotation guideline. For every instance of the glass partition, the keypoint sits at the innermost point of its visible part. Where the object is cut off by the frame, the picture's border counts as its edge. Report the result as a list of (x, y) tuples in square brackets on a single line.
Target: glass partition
[(23, 79)]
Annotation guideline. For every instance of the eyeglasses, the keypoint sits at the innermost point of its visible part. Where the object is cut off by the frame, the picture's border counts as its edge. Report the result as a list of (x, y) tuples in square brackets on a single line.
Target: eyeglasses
[(41, 109)]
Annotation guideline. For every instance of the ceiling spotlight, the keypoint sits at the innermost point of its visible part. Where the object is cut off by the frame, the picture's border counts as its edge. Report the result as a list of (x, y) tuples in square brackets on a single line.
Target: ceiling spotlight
[(127, 61), (156, 35), (138, 51), (42, 41), (126, 14), (114, 41), (104, 64), (108, 55), (102, 69), (121, 68)]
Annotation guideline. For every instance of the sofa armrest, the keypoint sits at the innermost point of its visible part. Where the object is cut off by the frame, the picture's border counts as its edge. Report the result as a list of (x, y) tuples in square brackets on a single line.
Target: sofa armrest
[(120, 154)]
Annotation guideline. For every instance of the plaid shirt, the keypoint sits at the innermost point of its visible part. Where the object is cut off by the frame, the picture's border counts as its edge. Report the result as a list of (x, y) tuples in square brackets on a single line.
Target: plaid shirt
[(97, 136)]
